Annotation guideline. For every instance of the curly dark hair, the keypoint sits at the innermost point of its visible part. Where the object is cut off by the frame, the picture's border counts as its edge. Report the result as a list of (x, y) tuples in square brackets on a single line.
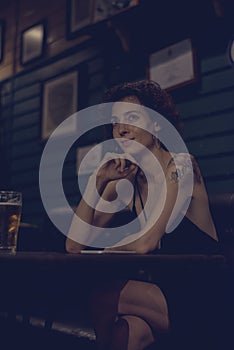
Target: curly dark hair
[(150, 94)]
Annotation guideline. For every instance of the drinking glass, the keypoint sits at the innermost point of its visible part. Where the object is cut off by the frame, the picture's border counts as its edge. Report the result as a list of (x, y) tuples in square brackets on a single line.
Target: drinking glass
[(10, 214)]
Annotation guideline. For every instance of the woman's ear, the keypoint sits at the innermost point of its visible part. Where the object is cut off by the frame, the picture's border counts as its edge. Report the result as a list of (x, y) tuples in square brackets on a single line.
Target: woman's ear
[(157, 127)]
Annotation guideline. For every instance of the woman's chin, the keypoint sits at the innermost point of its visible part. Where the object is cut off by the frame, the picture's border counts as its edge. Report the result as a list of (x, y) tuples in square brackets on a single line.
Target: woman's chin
[(131, 149)]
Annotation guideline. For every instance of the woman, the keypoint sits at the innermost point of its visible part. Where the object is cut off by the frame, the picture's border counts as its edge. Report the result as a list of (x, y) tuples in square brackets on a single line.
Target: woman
[(130, 314)]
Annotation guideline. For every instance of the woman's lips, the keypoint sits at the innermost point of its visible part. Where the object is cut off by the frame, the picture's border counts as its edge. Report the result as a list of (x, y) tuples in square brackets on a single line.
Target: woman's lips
[(126, 142)]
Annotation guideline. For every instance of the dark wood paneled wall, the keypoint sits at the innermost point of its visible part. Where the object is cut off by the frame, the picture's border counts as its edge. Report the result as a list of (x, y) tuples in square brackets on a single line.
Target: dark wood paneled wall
[(207, 111), (21, 122), (208, 118), (22, 14)]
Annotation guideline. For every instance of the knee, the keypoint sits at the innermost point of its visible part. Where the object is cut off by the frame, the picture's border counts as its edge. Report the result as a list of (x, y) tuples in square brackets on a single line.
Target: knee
[(120, 334), (159, 306), (140, 333)]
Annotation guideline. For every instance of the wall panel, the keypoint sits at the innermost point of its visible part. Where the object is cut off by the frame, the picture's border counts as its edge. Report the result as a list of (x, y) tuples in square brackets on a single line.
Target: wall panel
[(208, 118), (21, 117)]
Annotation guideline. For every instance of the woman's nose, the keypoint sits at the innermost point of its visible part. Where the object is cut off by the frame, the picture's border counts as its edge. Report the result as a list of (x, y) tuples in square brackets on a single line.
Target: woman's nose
[(123, 129)]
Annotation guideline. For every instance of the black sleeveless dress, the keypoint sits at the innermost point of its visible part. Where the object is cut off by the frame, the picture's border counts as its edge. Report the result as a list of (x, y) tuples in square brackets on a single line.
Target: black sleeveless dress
[(180, 288), (184, 288), (186, 238)]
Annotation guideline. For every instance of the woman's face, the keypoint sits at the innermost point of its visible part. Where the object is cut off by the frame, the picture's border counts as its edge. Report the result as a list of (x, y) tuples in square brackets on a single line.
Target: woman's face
[(131, 112)]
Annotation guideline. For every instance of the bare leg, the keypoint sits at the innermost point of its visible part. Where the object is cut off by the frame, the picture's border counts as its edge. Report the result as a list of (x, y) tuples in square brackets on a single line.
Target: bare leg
[(142, 300), (146, 301), (131, 333), (140, 334), (104, 312), (120, 335)]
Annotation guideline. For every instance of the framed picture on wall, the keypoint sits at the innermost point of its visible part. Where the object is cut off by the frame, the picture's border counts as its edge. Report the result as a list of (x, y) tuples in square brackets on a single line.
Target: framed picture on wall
[(2, 39), (79, 13), (60, 100), (107, 8), (173, 66), (33, 43)]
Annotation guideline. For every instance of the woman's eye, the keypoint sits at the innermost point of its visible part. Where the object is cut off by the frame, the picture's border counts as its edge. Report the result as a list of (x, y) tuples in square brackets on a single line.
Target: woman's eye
[(133, 117)]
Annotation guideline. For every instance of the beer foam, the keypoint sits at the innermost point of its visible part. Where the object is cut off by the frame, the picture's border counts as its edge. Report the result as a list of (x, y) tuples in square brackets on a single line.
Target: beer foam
[(9, 203)]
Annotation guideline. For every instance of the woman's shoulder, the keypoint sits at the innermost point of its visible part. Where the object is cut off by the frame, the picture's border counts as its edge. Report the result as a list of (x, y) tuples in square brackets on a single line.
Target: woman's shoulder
[(181, 158), (185, 163)]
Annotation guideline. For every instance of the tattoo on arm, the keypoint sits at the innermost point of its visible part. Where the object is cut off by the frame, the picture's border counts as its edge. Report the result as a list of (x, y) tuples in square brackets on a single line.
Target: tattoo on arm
[(177, 175), (183, 168)]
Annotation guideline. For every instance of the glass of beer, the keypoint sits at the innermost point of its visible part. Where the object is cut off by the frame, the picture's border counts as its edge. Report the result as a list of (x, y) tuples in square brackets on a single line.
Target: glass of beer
[(10, 213)]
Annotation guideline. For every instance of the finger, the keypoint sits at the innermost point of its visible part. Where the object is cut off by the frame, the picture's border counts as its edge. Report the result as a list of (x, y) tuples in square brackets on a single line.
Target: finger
[(133, 167), (109, 156), (117, 163)]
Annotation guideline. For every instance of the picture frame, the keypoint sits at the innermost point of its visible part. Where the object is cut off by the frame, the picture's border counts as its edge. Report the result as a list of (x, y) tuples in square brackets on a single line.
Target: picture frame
[(83, 14), (79, 16), (104, 9), (91, 162), (59, 101), (2, 39), (173, 66), (33, 43)]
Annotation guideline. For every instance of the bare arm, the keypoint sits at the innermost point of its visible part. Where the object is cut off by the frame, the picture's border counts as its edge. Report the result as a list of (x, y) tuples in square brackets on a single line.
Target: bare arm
[(88, 212)]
